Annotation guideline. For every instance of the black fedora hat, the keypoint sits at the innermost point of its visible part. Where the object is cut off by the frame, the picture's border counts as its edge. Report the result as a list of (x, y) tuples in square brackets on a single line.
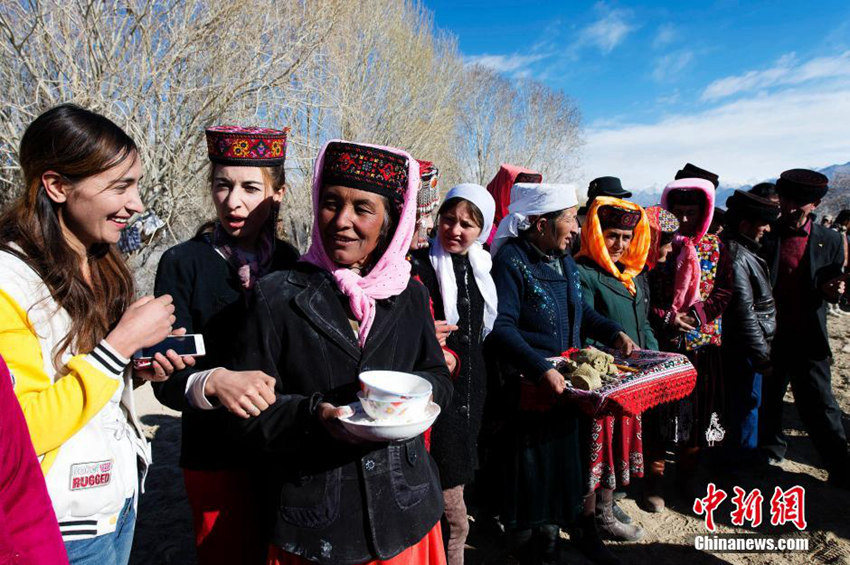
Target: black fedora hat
[(690, 171), (748, 206), (604, 186)]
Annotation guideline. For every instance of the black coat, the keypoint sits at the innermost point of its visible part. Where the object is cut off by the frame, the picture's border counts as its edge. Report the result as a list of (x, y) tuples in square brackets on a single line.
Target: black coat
[(208, 296), (338, 503), (454, 438), (749, 321), (824, 258)]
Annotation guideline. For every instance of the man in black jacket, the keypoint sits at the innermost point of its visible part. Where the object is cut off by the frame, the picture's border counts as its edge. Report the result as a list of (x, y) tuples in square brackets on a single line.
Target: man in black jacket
[(749, 321), (805, 261)]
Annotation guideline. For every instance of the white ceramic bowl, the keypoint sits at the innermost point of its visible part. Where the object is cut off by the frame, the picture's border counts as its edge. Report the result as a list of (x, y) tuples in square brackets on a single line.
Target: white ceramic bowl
[(361, 425), (393, 385), (405, 410)]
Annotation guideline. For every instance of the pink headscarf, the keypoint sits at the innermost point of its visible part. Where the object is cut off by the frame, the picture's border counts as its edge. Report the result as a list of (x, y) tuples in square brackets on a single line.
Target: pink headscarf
[(391, 274), (688, 271)]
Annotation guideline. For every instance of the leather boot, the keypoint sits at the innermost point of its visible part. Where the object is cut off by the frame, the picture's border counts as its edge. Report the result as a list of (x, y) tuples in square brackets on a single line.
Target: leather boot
[(653, 493), (608, 525), (619, 513), (585, 537)]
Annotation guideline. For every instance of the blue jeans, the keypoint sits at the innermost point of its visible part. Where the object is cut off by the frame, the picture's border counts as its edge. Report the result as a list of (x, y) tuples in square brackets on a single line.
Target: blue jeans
[(745, 409), (108, 549)]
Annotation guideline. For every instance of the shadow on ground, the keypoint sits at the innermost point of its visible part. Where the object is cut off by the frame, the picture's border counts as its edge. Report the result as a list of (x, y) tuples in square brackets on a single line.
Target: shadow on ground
[(164, 528)]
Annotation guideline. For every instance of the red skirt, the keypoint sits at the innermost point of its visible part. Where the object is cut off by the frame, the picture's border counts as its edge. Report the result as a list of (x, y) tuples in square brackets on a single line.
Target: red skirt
[(427, 551), (227, 516), (616, 451)]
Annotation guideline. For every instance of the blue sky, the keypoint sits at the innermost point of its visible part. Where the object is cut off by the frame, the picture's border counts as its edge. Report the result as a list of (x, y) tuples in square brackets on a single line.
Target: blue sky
[(746, 89)]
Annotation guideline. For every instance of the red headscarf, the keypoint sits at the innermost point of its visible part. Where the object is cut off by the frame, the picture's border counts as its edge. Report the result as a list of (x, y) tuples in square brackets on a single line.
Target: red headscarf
[(500, 188)]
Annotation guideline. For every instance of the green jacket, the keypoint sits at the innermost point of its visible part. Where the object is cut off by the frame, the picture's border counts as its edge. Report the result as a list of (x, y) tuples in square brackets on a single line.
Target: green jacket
[(612, 299)]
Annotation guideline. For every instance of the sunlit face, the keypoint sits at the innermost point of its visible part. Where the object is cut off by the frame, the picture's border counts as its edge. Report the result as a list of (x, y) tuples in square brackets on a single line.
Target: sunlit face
[(458, 229), (557, 235), (690, 217), (95, 209), (243, 200), (617, 242), (350, 224)]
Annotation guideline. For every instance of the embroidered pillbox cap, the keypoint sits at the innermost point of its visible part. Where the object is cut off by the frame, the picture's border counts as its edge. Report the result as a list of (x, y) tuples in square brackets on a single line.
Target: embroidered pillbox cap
[(366, 168), (247, 146), (614, 217), (662, 220)]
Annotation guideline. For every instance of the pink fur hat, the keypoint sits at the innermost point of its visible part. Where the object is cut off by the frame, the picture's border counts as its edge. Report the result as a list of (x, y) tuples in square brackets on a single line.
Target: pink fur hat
[(687, 281), (693, 185)]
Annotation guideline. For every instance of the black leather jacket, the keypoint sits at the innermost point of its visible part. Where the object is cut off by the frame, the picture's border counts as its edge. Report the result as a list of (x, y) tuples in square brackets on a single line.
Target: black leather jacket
[(749, 322), (338, 503)]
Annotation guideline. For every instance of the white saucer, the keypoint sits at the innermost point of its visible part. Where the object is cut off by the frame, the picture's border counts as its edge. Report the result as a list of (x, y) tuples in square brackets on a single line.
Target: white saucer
[(363, 426)]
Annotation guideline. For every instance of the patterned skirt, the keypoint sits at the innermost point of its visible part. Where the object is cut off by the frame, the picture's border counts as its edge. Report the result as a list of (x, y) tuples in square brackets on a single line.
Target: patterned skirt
[(698, 420), (616, 451)]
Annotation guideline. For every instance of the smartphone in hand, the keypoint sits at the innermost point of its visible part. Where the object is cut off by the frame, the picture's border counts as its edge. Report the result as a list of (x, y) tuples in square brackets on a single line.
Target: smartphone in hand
[(189, 345)]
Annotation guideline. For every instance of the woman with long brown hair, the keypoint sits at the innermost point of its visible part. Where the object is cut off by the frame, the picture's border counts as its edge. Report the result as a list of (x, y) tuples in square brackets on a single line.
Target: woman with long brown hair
[(68, 325)]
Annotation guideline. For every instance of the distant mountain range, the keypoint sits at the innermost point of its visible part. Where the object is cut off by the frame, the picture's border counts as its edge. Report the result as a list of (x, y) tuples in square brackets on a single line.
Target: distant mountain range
[(837, 198)]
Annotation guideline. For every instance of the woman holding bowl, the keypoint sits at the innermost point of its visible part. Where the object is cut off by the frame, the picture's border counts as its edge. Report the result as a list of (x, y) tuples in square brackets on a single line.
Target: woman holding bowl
[(348, 307)]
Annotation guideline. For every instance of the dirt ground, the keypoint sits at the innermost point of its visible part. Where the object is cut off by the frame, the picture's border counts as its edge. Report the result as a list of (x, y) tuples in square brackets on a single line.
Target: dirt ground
[(164, 530)]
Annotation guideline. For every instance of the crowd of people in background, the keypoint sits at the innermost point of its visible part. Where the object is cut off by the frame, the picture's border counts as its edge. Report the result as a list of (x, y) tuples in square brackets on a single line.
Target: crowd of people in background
[(473, 292)]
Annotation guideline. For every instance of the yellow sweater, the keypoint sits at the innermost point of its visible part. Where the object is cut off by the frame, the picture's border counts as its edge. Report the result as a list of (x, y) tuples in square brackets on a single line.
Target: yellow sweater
[(79, 412), (54, 411)]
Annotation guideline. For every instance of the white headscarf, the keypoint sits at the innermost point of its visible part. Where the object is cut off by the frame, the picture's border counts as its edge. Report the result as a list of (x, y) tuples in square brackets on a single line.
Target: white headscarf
[(532, 199), (479, 259)]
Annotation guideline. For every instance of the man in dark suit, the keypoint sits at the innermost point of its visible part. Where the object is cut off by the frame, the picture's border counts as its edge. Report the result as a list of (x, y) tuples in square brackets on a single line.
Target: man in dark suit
[(805, 261)]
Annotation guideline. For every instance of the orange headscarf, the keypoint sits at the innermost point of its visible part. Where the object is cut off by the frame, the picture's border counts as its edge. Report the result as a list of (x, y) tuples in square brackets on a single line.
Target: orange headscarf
[(593, 243)]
